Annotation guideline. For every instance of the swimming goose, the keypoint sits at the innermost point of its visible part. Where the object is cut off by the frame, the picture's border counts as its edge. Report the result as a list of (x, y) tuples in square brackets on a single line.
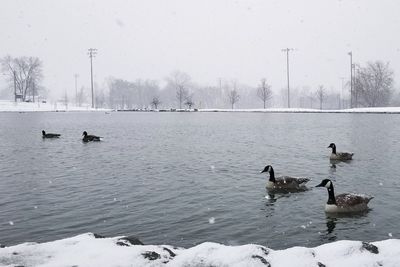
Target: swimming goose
[(88, 137), (344, 156), (284, 182), (50, 135), (344, 203)]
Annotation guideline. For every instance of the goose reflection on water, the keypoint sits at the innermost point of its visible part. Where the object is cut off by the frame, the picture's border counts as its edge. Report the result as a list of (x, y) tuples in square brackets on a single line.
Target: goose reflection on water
[(330, 234)]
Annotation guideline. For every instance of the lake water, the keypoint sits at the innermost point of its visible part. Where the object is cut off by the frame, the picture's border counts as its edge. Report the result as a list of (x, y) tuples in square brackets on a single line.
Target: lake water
[(186, 178)]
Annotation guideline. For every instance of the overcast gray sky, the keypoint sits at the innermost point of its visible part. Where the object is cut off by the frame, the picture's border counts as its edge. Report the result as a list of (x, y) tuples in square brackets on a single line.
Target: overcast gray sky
[(209, 39)]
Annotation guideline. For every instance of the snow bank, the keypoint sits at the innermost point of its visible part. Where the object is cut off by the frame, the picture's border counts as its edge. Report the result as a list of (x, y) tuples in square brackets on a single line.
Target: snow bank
[(9, 106), (94, 250), (390, 110)]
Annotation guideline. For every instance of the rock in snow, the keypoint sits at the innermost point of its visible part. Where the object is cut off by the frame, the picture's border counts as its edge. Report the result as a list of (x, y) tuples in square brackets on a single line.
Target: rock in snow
[(95, 250)]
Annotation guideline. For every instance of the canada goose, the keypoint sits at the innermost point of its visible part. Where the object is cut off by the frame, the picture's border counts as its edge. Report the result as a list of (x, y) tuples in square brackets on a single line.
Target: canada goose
[(344, 156), (284, 182), (88, 137), (344, 203), (50, 135)]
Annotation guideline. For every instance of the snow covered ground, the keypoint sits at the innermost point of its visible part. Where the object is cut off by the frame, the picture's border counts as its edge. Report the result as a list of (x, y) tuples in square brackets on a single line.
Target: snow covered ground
[(9, 106), (96, 251), (390, 110)]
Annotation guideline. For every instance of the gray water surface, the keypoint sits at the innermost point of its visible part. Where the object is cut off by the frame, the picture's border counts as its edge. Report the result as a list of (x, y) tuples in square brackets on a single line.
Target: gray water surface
[(187, 178)]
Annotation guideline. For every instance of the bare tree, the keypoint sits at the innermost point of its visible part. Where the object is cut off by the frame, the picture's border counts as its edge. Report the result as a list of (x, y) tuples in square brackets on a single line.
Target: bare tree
[(321, 94), (65, 100), (81, 97), (155, 102), (374, 84), (180, 81), (264, 91), (233, 95), (100, 99), (189, 101), (24, 73)]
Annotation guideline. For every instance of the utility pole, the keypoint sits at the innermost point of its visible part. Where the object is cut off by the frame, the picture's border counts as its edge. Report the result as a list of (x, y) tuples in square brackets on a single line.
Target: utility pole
[(351, 78), (76, 88), (287, 72), (92, 53)]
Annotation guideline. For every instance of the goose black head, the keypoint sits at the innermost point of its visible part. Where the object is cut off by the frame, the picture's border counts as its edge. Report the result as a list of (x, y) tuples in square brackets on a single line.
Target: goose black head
[(325, 183), (332, 145), (267, 168), (84, 133), (43, 132)]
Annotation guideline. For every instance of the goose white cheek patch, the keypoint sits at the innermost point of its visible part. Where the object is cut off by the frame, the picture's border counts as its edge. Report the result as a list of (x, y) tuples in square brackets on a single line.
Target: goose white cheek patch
[(328, 184)]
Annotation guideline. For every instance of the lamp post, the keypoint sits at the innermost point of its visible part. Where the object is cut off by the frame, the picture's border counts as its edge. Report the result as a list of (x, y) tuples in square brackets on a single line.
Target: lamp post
[(287, 73), (92, 53)]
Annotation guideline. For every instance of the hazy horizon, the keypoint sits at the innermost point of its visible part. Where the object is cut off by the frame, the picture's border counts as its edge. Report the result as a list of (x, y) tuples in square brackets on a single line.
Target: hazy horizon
[(209, 40)]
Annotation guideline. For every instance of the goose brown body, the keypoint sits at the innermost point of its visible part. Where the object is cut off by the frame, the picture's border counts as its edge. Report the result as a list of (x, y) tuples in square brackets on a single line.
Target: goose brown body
[(342, 156), (344, 203), (89, 138), (50, 135), (284, 183)]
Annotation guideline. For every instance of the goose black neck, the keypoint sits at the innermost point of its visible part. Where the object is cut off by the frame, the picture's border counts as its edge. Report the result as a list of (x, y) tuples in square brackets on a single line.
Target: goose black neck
[(272, 175), (334, 149), (331, 196)]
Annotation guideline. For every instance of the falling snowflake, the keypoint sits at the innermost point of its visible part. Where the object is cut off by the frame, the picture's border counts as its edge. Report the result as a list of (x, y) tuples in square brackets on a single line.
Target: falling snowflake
[(211, 220), (11, 222), (390, 234)]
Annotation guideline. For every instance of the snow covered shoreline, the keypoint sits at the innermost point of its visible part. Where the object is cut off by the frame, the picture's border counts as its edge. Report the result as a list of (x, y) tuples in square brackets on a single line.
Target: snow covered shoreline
[(95, 250), (377, 110), (9, 106)]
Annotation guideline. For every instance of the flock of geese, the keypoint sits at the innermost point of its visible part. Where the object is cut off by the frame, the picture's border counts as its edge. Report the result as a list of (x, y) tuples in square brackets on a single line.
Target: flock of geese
[(85, 136), (343, 203)]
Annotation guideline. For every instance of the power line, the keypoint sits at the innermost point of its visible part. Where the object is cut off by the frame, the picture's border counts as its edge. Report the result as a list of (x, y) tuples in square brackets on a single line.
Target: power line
[(92, 53)]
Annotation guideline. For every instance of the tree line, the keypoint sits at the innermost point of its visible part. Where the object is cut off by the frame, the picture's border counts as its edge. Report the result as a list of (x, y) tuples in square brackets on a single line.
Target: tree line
[(373, 86)]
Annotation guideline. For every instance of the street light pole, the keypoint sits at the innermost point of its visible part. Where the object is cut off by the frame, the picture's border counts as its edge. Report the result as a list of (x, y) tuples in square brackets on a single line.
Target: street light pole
[(92, 53), (287, 72)]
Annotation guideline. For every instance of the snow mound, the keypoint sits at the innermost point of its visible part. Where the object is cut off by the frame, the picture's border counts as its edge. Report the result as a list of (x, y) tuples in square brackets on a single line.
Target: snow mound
[(95, 250)]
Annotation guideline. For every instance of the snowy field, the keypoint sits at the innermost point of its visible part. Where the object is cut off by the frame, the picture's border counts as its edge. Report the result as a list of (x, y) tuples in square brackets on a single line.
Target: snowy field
[(9, 106), (93, 250)]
